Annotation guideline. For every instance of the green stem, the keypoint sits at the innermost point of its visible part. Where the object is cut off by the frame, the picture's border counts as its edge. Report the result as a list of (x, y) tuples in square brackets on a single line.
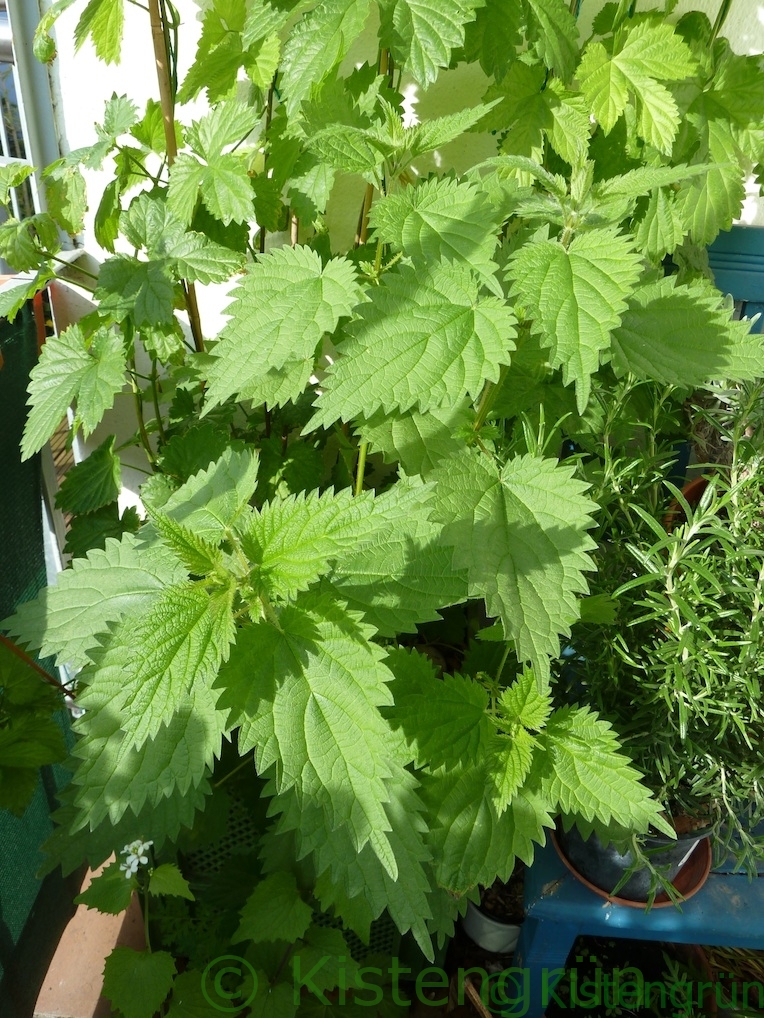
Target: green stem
[(490, 391), (70, 265), (502, 663), (363, 448), (138, 400), (239, 766), (146, 916), (155, 397), (721, 17)]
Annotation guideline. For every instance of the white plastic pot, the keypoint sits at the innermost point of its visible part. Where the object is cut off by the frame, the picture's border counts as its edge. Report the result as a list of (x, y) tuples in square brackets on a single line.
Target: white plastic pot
[(490, 934)]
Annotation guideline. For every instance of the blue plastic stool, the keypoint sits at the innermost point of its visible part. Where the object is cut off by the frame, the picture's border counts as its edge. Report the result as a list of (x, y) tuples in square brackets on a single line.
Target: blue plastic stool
[(728, 911)]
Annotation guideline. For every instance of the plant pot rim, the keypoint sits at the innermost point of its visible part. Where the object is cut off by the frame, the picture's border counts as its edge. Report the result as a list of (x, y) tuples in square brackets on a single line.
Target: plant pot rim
[(688, 881), (499, 923)]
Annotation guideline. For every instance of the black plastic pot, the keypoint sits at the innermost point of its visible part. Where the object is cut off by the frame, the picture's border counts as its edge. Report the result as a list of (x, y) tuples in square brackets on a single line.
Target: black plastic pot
[(603, 866)]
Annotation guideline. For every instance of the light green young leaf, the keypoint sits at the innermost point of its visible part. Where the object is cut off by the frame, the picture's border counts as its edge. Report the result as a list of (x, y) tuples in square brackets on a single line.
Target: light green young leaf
[(645, 179), (93, 483), (110, 892), (307, 695), (401, 573), (137, 982), (283, 306), (576, 296), (579, 766), (167, 879), (219, 51), (432, 134), (685, 335), (520, 531), (510, 764), (425, 339), (291, 541), (553, 28), (23, 243), (417, 441), (12, 173), (67, 620), (522, 703), (200, 557), (216, 499), (441, 220), (422, 33), (227, 123), (659, 231), (321, 38), (444, 719), (274, 911), (186, 175), (202, 261), (103, 21), (651, 52), (72, 367), (66, 197), (227, 189)]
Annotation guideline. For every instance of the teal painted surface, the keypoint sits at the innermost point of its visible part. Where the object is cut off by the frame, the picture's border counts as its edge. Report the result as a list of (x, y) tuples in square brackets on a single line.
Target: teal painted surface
[(737, 261)]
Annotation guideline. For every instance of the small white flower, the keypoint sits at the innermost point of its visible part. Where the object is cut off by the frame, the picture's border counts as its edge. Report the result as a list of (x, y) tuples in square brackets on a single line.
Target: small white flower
[(136, 855)]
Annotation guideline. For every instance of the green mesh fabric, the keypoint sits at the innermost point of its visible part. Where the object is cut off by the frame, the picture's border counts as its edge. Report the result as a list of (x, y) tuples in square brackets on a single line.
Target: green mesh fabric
[(32, 911)]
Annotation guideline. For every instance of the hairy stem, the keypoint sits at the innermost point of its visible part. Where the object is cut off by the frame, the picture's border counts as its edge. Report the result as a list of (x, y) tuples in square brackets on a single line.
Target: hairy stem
[(360, 469), (155, 397)]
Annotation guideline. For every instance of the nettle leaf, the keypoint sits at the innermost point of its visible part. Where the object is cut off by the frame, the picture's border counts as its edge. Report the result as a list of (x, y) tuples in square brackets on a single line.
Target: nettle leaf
[(23, 243), (227, 123), (291, 541), (439, 131), (274, 911), (685, 335), (308, 695), (553, 28), (510, 764), (153, 661), (216, 499), (219, 52), (93, 483), (580, 766), (186, 175), (493, 37), (660, 230), (425, 338), (523, 703), (709, 204), (197, 555), (417, 441), (167, 879), (645, 179), (137, 982), (115, 776), (576, 296), (401, 572), (651, 52), (73, 367), (441, 220), (422, 33), (227, 189), (471, 843), (110, 892), (282, 307), (445, 719), (103, 21), (520, 531), (43, 46), (12, 173), (94, 528), (319, 41), (67, 620)]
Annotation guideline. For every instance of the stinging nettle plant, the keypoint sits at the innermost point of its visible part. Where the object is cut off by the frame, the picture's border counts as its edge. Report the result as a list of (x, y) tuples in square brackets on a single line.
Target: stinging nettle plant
[(374, 435)]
